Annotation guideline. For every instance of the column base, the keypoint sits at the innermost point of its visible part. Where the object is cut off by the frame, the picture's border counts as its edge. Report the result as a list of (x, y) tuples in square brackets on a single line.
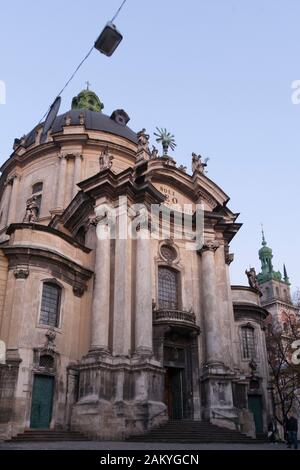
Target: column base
[(144, 352), (219, 408), (98, 351)]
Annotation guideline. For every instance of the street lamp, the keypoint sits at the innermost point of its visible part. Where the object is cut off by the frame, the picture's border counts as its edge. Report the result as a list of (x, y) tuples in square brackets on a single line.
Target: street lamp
[(108, 40)]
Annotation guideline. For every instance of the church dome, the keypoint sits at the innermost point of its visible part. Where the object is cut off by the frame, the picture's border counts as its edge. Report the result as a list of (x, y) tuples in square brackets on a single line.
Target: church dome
[(87, 108)]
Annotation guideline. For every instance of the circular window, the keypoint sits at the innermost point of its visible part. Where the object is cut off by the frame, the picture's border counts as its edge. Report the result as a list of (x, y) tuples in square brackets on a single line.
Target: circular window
[(168, 253)]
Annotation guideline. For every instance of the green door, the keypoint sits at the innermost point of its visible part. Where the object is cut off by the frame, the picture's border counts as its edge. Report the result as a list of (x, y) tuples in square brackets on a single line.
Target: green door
[(255, 405), (42, 401)]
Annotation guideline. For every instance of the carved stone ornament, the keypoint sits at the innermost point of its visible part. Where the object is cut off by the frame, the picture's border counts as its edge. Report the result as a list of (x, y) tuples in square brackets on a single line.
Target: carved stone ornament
[(154, 153), (210, 246), (21, 273), (105, 160), (253, 366), (197, 164), (143, 140), (78, 290), (32, 211), (49, 346), (68, 120), (252, 279), (97, 219), (229, 258), (182, 168), (144, 220), (81, 119)]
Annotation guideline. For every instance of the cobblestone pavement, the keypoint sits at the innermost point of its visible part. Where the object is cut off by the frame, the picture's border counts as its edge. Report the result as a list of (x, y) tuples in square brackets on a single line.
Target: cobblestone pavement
[(105, 446)]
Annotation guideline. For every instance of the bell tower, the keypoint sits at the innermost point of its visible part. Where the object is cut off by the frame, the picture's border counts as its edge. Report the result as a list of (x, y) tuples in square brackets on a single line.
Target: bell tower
[(275, 287)]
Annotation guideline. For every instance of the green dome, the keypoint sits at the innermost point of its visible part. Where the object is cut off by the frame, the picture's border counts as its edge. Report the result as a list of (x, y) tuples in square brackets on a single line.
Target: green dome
[(265, 252), (87, 99), (267, 271)]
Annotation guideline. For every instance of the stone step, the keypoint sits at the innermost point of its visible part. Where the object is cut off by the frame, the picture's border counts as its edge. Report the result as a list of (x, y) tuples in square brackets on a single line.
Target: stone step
[(187, 431), (45, 435)]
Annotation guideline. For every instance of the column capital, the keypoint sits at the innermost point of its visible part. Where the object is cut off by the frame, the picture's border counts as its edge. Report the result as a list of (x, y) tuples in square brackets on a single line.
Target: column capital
[(21, 272), (99, 219), (211, 246), (10, 180)]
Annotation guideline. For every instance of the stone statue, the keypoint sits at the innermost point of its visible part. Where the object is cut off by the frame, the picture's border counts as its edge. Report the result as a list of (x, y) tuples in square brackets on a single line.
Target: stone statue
[(154, 153), (105, 160), (183, 168), (252, 279), (197, 164), (49, 346), (32, 210), (253, 366), (143, 140)]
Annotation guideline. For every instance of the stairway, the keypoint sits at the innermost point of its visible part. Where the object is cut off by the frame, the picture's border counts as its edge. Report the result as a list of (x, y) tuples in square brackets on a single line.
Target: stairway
[(48, 435), (187, 431)]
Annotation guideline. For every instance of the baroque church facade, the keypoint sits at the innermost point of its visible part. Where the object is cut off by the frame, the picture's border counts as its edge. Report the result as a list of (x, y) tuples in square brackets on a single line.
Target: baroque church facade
[(113, 336)]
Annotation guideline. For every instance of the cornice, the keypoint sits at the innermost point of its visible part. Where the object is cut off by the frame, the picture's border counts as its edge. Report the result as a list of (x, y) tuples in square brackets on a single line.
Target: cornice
[(45, 228), (244, 310), (22, 258)]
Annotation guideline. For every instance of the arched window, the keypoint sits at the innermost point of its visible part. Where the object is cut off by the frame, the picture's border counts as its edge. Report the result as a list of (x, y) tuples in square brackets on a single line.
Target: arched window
[(167, 288), (248, 345), (37, 192), (50, 307), (268, 292)]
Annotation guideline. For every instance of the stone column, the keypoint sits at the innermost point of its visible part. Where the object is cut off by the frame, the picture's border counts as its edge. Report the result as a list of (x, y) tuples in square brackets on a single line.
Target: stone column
[(7, 200), (122, 289), (77, 173), (211, 314), (216, 377), (13, 200), (143, 294), (101, 292), (60, 201)]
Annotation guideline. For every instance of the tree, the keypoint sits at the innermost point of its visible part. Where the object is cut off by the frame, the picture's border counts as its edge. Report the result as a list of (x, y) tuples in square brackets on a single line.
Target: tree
[(285, 372), (296, 297)]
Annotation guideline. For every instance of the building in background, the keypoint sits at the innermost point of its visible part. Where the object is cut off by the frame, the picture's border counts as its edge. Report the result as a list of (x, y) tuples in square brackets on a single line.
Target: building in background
[(282, 328)]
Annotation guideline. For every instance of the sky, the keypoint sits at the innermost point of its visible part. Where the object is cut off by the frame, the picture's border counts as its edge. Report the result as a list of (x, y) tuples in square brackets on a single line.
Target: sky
[(218, 74)]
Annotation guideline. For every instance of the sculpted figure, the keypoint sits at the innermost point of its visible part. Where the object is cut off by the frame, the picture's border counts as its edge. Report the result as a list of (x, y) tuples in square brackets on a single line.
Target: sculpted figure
[(143, 140), (252, 279), (32, 210), (154, 153), (197, 164), (105, 160)]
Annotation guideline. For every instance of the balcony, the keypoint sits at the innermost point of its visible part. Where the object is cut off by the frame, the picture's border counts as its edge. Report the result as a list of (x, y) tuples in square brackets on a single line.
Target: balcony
[(175, 317)]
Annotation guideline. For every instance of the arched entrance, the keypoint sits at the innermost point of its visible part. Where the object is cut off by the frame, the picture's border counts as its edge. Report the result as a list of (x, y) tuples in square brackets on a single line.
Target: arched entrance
[(176, 348)]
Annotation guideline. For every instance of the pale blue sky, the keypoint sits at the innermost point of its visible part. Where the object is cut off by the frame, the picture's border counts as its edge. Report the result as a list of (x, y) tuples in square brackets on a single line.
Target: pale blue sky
[(216, 73)]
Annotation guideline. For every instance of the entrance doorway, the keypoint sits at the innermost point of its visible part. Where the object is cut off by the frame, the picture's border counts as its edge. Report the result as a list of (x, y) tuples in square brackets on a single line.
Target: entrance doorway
[(42, 402), (174, 392), (255, 405)]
